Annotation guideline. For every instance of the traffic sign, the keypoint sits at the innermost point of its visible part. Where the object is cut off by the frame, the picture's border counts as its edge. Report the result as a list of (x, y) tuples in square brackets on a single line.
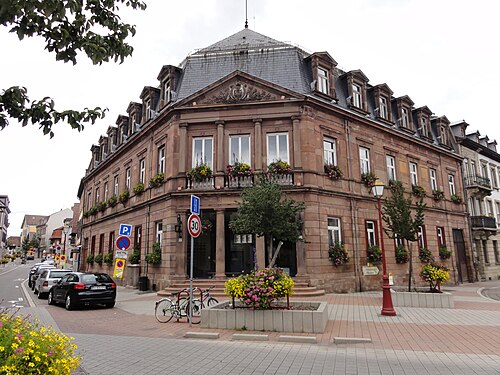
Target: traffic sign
[(123, 242), (194, 225), (125, 230), (195, 205)]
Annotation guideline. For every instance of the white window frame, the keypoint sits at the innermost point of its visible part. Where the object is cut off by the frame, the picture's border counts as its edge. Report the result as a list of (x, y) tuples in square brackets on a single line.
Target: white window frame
[(128, 178), (405, 119), (161, 160), (497, 206), (451, 184), (115, 185), (240, 155), (207, 150), (97, 195), (277, 139), (357, 99), (391, 167), (334, 230), (106, 191), (433, 179), (414, 173), (371, 233), (466, 168), (440, 236), (489, 208), (364, 159), (159, 232), (323, 80), (167, 92), (148, 109), (421, 237), (382, 107), (142, 170), (493, 173), (330, 151), (473, 170)]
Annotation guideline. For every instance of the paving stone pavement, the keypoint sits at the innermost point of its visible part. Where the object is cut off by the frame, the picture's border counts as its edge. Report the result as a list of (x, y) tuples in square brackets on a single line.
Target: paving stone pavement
[(128, 339)]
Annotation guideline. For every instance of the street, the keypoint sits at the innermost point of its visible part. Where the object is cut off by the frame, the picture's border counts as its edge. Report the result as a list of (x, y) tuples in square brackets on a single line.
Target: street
[(128, 339)]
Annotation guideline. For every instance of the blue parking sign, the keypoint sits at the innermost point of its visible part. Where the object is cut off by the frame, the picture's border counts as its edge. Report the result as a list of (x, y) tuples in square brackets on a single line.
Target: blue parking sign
[(125, 230), (195, 205)]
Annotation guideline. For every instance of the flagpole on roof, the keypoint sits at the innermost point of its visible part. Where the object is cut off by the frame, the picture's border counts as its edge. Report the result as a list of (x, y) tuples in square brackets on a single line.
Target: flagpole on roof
[(246, 14)]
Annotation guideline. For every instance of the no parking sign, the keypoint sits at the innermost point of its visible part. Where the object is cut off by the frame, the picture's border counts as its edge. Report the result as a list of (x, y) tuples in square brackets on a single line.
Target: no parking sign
[(119, 266)]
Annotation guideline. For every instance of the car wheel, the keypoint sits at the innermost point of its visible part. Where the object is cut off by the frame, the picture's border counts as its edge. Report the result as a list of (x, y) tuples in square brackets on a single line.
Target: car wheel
[(40, 295), (69, 303), (35, 291), (50, 298), (109, 305)]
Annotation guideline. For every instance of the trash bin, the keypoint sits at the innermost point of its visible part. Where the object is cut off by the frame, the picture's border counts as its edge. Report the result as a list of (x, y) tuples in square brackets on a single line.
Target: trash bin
[(143, 283)]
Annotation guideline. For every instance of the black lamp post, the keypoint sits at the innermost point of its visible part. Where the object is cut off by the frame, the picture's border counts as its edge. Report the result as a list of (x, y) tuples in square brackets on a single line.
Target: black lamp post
[(387, 307)]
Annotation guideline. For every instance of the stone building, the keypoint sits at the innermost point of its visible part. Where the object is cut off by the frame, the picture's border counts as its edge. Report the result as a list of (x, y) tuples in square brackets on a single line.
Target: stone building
[(252, 99), (481, 170)]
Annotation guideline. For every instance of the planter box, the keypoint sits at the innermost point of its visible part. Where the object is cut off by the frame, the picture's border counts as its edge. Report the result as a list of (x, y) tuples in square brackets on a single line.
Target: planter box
[(401, 298), (304, 321)]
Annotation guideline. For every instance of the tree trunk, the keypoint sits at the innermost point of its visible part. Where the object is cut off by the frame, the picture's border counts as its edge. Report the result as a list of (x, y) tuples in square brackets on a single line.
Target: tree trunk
[(269, 244), (273, 261)]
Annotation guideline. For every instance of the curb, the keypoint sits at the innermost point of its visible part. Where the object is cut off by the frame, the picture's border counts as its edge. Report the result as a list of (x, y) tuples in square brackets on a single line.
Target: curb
[(351, 340), (201, 335), (250, 337), (299, 339)]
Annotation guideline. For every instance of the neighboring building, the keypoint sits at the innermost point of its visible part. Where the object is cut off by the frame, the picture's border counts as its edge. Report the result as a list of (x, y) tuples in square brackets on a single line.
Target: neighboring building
[(252, 99), (55, 221), (481, 169), (14, 242), (29, 226), (4, 222)]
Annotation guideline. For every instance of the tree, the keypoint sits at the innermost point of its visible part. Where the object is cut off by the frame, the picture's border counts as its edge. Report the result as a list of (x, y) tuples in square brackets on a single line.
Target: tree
[(264, 212), (397, 215), (35, 243), (25, 245), (68, 27)]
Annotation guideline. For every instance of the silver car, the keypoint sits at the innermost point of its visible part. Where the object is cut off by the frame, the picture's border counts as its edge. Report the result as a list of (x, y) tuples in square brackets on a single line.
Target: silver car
[(47, 278)]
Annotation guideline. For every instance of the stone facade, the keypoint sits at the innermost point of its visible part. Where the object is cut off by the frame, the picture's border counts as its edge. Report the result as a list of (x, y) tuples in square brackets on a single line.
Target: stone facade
[(229, 103)]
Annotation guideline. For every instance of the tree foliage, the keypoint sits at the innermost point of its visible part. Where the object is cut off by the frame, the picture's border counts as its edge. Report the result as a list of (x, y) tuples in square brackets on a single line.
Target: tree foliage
[(68, 27), (397, 215), (264, 212), (26, 244)]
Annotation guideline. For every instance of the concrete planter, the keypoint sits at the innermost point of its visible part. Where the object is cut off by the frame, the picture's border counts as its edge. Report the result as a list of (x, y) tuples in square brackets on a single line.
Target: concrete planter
[(401, 298), (305, 321)]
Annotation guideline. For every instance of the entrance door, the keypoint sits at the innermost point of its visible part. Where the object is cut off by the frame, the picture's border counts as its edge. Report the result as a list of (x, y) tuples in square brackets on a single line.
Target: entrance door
[(240, 249), (204, 248), (287, 258), (461, 258)]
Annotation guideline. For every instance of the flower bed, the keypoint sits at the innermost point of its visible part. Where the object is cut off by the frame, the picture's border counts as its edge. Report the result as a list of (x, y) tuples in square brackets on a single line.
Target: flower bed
[(311, 319), (421, 298)]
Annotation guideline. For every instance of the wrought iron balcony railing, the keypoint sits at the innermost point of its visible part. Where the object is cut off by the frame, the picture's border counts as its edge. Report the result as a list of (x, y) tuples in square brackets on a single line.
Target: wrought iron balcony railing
[(483, 222), (478, 181)]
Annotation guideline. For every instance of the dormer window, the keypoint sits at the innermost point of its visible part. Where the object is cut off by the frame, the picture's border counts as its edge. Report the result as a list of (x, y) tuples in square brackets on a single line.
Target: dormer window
[(148, 110), (443, 136), (383, 111), (167, 92), (356, 89), (357, 100), (323, 81), (404, 107), (405, 119)]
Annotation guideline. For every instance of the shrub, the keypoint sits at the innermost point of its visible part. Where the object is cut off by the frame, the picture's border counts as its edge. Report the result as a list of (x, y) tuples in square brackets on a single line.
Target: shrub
[(200, 173), (425, 255), (437, 195), (444, 253), (27, 347), (279, 167), (455, 198), (239, 169), (374, 254), (338, 254), (112, 201), (418, 191), (86, 214), (156, 180), (98, 259), (139, 188), (108, 258), (401, 254), (93, 211), (154, 257), (4, 261), (101, 206), (368, 179), (435, 275), (135, 257), (260, 288), (90, 259), (123, 197), (333, 171)]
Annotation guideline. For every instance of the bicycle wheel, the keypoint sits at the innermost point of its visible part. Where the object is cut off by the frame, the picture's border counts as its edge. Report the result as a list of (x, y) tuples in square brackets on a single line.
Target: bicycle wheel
[(212, 301), (163, 311), (196, 318), (183, 302)]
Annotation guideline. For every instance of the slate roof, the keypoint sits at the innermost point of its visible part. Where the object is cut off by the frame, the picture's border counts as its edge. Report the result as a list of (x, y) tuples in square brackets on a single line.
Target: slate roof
[(252, 53)]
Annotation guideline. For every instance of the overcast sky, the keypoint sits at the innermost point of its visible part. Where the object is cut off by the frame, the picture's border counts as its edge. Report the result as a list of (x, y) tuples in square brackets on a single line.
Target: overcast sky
[(443, 54)]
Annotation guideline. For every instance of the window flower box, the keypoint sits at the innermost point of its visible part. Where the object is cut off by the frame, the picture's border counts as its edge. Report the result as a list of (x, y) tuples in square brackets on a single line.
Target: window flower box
[(418, 191), (333, 171), (139, 188), (112, 201), (279, 167), (156, 180), (338, 254), (455, 198), (374, 255), (437, 195), (123, 197), (368, 179), (200, 173), (239, 170)]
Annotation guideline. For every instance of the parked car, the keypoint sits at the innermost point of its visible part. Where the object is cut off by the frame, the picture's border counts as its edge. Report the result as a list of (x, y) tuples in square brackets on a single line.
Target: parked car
[(38, 270), (47, 279), (30, 257), (83, 289), (32, 271)]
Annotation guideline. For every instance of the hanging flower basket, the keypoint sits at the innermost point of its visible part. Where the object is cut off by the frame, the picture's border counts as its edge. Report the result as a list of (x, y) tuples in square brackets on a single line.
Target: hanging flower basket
[(374, 255), (338, 254), (333, 172), (425, 255), (368, 179)]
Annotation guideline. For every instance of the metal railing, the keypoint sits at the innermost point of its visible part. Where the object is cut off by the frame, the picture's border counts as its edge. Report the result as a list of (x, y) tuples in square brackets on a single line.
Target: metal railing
[(478, 181), (484, 222)]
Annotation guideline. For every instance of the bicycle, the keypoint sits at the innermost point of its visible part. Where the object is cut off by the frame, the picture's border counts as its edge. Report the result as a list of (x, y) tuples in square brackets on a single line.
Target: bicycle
[(166, 308)]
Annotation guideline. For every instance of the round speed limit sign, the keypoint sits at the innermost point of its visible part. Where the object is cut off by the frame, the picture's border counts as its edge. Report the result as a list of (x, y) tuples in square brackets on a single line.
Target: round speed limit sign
[(194, 225)]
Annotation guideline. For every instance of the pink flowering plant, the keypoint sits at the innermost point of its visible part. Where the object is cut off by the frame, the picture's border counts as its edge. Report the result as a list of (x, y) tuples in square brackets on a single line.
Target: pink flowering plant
[(261, 288), (239, 170)]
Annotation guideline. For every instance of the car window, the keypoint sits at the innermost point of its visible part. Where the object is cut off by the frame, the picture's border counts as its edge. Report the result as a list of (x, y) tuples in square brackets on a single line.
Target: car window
[(103, 278), (89, 279), (44, 274), (54, 274), (66, 278)]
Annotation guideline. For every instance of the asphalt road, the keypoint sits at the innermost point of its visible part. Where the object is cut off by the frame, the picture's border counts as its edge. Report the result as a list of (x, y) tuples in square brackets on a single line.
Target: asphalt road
[(493, 293), (11, 277)]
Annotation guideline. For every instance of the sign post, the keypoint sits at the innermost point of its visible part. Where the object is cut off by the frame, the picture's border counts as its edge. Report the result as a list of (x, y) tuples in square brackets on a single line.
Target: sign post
[(194, 229)]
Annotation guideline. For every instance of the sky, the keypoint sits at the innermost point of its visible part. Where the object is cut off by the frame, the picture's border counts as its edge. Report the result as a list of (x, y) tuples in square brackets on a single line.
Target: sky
[(443, 54)]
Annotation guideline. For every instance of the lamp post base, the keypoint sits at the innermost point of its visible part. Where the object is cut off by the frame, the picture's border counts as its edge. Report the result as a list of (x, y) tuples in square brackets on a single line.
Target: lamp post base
[(387, 307)]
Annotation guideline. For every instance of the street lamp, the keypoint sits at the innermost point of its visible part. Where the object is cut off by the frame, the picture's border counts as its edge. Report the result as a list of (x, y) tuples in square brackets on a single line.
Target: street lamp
[(387, 308), (66, 230)]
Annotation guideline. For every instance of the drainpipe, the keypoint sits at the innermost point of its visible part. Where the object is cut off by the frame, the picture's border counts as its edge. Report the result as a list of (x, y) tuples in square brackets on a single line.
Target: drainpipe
[(147, 235)]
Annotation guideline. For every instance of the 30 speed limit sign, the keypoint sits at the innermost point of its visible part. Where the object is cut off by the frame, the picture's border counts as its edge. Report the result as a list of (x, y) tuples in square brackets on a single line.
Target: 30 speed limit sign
[(194, 225)]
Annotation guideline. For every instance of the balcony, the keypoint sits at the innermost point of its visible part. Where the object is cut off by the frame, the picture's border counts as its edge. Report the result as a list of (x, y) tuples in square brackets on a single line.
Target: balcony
[(485, 224), (478, 186), (238, 182), (282, 179), (204, 184)]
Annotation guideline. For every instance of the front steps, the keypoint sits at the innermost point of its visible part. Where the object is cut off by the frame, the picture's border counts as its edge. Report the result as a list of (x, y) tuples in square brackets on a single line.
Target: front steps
[(301, 288)]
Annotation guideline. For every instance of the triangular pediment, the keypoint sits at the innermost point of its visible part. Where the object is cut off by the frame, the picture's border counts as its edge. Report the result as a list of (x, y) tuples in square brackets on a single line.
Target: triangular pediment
[(239, 87)]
